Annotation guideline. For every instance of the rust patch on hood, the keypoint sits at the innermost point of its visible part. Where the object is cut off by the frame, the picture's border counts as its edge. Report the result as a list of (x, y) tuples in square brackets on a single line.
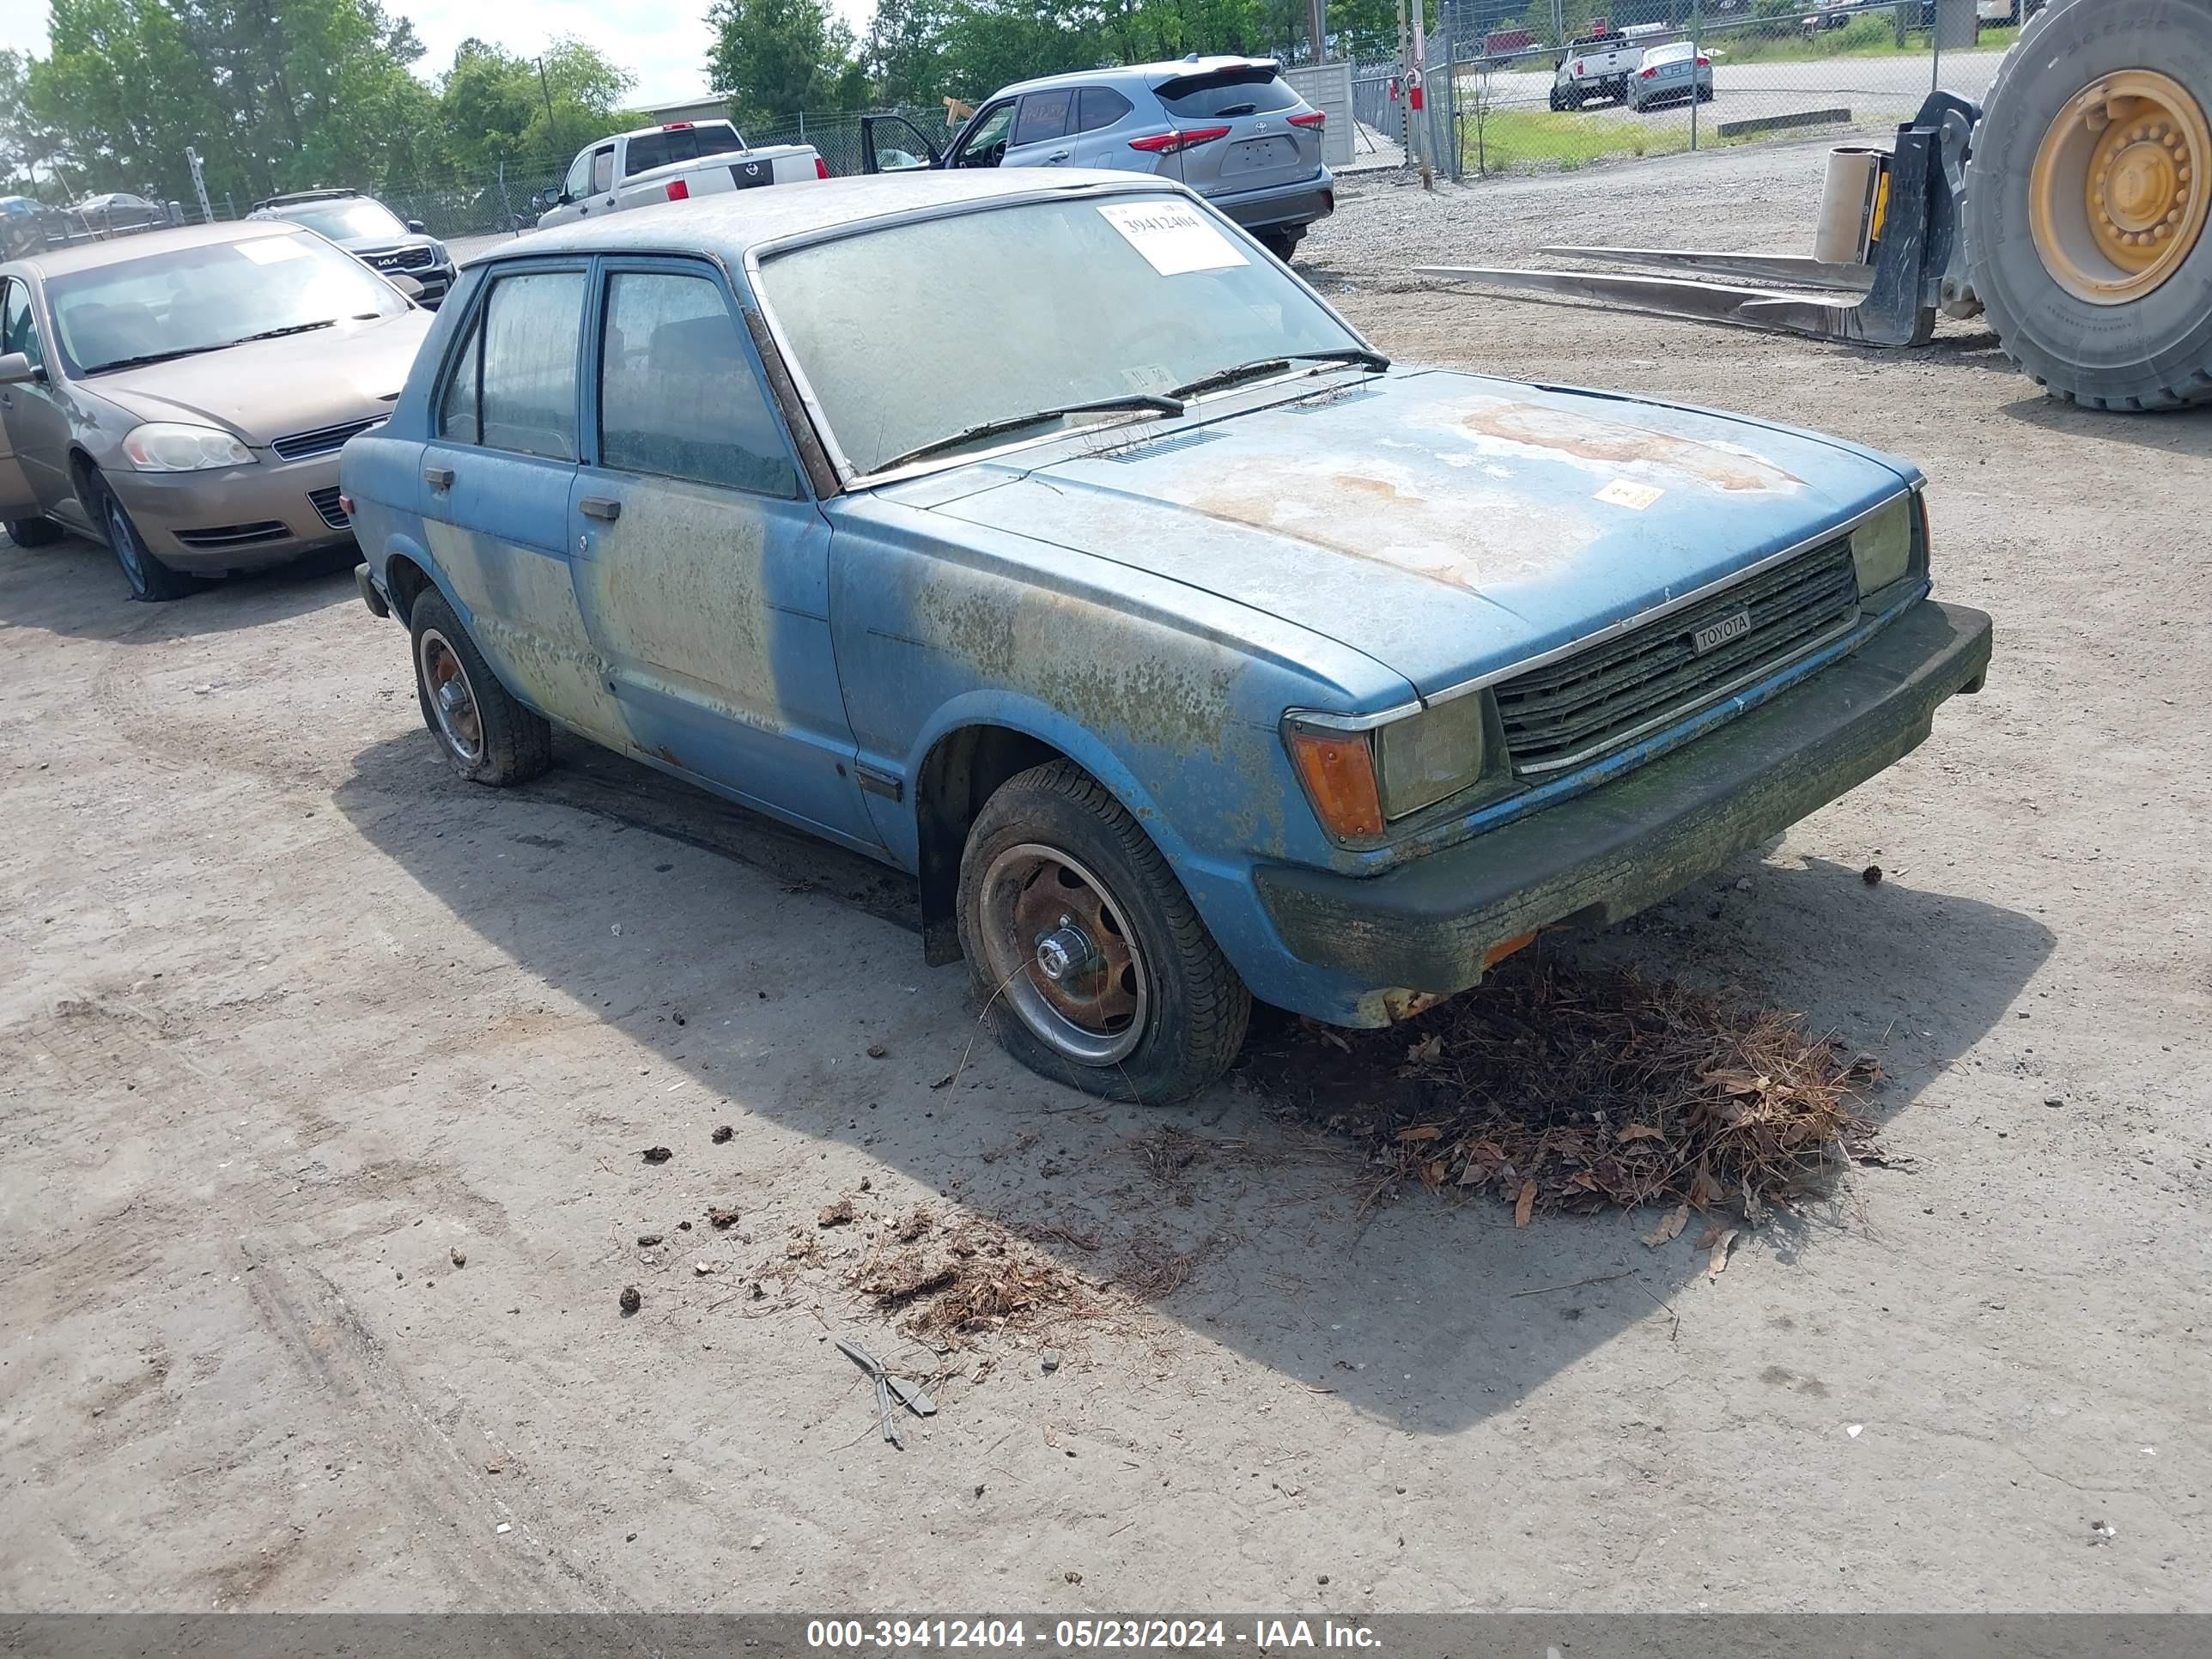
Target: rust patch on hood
[(1569, 435), (1460, 541)]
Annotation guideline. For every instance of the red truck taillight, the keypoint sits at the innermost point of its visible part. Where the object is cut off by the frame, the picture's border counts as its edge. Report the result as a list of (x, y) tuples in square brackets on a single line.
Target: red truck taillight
[(678, 191), (821, 168)]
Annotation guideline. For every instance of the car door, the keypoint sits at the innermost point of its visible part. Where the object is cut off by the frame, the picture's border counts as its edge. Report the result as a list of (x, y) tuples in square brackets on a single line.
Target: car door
[(983, 143), (1039, 135), (891, 143), (18, 500), (703, 564), (1099, 111), (497, 474), (575, 198), (36, 414)]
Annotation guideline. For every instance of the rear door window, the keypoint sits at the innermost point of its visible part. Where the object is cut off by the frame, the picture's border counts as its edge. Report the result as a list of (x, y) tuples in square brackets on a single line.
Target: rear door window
[(1044, 115), (457, 410), (526, 401), (1225, 93), (678, 395), (1101, 106)]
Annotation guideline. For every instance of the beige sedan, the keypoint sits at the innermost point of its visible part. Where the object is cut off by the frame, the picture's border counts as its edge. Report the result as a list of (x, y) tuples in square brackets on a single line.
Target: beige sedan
[(182, 395)]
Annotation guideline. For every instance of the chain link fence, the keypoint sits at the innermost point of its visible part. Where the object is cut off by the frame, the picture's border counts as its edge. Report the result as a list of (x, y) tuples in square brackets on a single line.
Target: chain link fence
[(1503, 97)]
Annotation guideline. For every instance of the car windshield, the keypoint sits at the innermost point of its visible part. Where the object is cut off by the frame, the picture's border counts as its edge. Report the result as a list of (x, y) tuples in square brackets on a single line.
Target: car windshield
[(354, 221), (191, 300), (1674, 54), (912, 333)]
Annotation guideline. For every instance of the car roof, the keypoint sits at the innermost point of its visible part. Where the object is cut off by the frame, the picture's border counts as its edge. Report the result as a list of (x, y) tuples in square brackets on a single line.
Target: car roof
[(1144, 74), (90, 256), (730, 224)]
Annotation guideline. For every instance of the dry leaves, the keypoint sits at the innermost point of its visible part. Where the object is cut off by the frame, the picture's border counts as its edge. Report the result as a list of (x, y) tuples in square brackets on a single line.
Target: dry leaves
[(1670, 1225), (976, 1278), (1587, 1091)]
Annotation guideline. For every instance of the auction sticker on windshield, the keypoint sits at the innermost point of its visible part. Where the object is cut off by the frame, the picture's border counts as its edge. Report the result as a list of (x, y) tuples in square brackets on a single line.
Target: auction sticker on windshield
[(1173, 236), (273, 250)]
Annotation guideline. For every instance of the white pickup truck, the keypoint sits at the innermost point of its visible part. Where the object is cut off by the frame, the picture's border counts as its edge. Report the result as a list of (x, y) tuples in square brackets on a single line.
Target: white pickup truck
[(672, 164), (1596, 66)]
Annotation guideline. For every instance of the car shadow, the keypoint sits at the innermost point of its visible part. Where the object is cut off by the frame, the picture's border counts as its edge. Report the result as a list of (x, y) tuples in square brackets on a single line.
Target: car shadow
[(2185, 432), (72, 587), (1234, 1215)]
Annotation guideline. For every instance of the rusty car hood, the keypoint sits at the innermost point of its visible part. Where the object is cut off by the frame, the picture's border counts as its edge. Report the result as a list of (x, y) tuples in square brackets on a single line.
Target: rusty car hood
[(1443, 524), (270, 388)]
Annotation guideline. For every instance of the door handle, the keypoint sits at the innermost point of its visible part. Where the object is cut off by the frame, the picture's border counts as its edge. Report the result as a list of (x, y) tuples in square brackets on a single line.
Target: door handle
[(605, 508), (1057, 155), (438, 477)]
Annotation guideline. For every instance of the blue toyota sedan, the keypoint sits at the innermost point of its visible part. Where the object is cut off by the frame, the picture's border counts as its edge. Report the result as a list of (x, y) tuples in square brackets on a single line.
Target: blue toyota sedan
[(1040, 535)]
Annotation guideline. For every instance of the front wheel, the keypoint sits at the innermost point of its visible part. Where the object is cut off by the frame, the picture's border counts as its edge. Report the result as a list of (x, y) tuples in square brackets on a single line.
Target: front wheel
[(150, 578), (1092, 964), (487, 735)]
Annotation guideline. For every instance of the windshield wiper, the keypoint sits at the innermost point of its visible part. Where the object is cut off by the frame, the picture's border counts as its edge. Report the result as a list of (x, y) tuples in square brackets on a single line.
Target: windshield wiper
[(1259, 366), (279, 333), (152, 357), (1161, 403)]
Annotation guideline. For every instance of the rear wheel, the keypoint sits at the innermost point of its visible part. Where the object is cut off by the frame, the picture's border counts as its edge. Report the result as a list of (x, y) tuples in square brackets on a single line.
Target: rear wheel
[(487, 735), (150, 580), (2086, 205), (1283, 244), (33, 532), (1092, 962)]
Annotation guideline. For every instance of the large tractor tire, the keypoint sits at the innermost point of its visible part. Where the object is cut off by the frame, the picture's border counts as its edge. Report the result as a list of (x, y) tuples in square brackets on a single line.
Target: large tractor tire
[(2087, 199)]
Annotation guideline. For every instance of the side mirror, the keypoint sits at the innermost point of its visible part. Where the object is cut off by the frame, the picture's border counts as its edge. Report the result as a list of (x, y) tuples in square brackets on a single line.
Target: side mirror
[(417, 227), (406, 284), (16, 369)]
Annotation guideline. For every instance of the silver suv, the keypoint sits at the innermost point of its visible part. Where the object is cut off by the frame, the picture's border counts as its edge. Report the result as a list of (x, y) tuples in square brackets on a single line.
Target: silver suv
[(1231, 128)]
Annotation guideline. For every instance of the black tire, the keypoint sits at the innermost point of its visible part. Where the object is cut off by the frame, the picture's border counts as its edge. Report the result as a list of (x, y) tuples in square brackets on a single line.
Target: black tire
[(1190, 1008), (150, 580), (1283, 244), (33, 533), (2151, 353), (496, 741)]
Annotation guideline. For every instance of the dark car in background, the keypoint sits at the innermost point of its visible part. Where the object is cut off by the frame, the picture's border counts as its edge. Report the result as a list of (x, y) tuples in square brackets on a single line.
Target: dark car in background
[(371, 233), (114, 212), (1231, 128)]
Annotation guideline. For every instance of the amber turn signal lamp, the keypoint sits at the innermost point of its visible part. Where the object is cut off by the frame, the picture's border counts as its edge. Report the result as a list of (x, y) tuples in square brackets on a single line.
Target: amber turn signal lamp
[(1338, 770)]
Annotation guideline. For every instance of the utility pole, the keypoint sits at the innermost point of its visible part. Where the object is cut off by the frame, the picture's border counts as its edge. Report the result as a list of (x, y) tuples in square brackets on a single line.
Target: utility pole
[(546, 87), (199, 184), (1319, 34), (1405, 133)]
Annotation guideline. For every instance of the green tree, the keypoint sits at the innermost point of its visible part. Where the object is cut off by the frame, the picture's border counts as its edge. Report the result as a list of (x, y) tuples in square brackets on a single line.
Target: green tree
[(776, 57)]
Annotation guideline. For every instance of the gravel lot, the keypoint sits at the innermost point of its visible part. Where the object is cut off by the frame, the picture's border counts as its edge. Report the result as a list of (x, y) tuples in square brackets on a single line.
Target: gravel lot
[(323, 1080)]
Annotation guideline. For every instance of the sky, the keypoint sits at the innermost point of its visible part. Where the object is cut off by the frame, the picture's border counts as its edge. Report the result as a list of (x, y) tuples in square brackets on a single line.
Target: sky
[(662, 44)]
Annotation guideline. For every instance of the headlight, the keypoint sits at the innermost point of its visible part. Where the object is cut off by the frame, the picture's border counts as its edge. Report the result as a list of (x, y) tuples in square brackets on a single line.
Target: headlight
[(439, 256), (1890, 544), (172, 446), (1360, 781)]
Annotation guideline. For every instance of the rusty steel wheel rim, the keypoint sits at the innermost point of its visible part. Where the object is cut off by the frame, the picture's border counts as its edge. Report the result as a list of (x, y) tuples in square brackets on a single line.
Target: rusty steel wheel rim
[(1061, 951), (452, 699), (2116, 193)]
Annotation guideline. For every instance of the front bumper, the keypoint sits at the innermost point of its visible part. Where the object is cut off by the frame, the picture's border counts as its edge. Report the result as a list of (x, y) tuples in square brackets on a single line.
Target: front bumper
[(1429, 927), (238, 518), (1280, 207)]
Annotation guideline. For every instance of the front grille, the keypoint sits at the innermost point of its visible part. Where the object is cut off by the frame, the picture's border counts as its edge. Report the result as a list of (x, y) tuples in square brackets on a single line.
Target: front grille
[(408, 259), (322, 440), (1576, 708), (326, 503), (215, 537)]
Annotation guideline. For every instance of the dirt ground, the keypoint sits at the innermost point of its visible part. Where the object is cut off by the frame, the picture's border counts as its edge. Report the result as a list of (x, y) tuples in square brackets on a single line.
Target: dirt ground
[(292, 1026)]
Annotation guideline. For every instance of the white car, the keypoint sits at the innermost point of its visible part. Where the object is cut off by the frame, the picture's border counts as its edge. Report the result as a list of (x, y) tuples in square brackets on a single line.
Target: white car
[(1670, 72)]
